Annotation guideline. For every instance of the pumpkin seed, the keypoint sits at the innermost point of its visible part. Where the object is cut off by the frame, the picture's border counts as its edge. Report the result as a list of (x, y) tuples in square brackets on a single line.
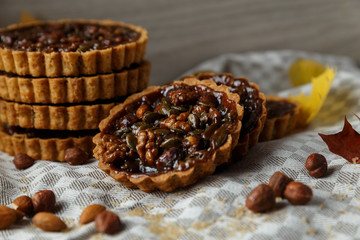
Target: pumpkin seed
[(122, 131), (218, 139), (180, 108), (206, 104), (164, 109), (151, 117), (131, 141), (204, 117), (174, 111), (171, 142), (166, 101), (209, 131), (161, 131), (193, 121), (179, 130)]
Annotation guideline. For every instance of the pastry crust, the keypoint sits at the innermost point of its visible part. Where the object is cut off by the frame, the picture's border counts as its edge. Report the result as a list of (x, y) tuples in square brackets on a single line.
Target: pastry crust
[(74, 89), (78, 117), (56, 64), (278, 127), (168, 181), (252, 138), (52, 149)]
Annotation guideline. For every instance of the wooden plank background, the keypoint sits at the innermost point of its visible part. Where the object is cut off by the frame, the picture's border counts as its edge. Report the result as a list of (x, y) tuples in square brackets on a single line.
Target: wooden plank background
[(184, 33)]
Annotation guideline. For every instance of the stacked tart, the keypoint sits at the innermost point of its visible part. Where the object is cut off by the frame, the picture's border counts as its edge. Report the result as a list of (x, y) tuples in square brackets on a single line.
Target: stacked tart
[(170, 136), (58, 80)]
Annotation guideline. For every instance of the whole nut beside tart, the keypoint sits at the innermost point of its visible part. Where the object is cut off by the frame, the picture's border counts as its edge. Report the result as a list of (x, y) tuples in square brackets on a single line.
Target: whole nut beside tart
[(44, 201), (23, 161), (297, 193), (24, 204), (107, 222), (19, 215), (48, 222), (7, 217), (90, 212), (261, 199), (278, 182), (76, 156), (316, 165)]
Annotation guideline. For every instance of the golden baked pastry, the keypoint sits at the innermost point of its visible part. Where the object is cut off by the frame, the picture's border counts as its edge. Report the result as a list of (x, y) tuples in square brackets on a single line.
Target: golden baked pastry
[(70, 47), (76, 117), (74, 89), (169, 137), (253, 102), (282, 117), (44, 144)]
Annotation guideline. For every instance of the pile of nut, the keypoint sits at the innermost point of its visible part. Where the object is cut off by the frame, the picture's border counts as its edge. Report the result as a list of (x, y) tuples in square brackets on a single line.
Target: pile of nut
[(40, 208), (263, 197)]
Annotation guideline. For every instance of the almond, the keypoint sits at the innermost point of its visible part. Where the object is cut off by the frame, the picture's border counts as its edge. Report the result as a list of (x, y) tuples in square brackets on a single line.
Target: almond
[(19, 215), (90, 212), (7, 217), (24, 204), (48, 222)]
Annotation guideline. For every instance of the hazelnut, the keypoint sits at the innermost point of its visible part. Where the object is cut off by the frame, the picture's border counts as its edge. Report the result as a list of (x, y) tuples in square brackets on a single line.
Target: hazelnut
[(297, 193), (107, 222), (76, 156), (316, 165), (23, 161), (24, 204), (261, 199), (278, 182), (44, 201)]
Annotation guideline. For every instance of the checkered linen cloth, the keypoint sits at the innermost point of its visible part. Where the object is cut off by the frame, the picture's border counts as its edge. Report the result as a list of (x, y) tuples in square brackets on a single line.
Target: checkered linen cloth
[(214, 208)]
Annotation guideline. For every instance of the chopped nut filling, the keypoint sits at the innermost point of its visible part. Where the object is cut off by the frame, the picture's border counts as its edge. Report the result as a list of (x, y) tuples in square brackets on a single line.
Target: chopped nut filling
[(168, 130), (66, 37)]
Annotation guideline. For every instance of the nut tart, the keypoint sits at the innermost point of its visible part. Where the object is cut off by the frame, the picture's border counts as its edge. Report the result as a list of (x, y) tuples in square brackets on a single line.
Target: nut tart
[(170, 136), (66, 117), (44, 144), (70, 47), (253, 102), (282, 117), (59, 90)]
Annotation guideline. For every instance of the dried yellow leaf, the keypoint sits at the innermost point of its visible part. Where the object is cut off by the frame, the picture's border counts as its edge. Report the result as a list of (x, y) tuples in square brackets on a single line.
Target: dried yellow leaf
[(27, 18), (321, 84), (303, 70)]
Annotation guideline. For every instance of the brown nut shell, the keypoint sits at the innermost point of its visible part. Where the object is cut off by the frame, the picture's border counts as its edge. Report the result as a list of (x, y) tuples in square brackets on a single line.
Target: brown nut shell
[(316, 165), (76, 156), (278, 182), (261, 199), (23, 161), (107, 222), (44, 201), (298, 193)]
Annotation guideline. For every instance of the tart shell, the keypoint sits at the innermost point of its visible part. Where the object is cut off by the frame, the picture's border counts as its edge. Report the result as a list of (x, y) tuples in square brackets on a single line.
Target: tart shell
[(169, 181), (78, 117), (52, 149), (74, 89), (278, 127), (56, 64)]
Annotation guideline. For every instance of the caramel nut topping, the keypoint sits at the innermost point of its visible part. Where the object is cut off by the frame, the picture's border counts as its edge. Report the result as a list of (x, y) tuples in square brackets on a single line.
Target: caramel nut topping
[(168, 130), (66, 37)]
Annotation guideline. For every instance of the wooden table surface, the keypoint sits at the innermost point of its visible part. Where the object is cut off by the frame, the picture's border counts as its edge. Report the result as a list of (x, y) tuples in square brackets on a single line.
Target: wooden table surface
[(184, 33)]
